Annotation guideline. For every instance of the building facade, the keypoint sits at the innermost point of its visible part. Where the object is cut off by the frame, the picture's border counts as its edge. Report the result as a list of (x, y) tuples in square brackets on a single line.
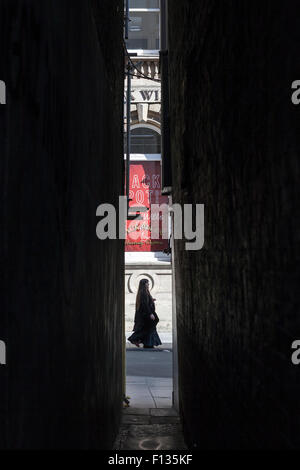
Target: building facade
[(145, 257)]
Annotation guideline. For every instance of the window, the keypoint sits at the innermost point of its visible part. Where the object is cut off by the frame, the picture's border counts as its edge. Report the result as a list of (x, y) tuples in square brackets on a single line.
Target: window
[(143, 29), (144, 140), (136, 4)]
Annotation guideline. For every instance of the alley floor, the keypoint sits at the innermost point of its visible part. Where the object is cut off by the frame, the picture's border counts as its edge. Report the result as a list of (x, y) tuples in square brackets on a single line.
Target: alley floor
[(150, 429), (150, 422)]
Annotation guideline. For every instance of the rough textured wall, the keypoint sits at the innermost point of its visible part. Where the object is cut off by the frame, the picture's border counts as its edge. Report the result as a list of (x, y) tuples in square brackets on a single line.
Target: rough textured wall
[(235, 148), (61, 156)]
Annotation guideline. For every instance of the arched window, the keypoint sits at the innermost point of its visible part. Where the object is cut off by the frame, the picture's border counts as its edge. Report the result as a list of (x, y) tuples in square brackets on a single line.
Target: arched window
[(144, 140)]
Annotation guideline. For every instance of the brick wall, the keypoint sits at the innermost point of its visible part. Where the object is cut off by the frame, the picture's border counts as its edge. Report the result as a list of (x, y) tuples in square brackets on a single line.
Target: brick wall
[(62, 289), (235, 148)]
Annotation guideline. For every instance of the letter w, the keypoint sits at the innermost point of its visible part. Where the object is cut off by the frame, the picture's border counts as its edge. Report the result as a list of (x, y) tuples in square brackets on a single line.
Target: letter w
[(146, 94)]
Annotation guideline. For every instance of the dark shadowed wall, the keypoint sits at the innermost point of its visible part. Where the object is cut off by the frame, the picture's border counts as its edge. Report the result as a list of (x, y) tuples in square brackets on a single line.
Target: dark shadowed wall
[(62, 288), (235, 148)]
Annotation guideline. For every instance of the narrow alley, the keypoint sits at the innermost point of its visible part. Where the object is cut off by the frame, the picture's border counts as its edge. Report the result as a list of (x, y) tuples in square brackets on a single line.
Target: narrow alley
[(149, 234)]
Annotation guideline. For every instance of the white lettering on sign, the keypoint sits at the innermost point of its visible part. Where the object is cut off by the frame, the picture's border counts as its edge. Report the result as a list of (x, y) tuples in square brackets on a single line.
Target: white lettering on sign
[(146, 181), (145, 95), (155, 181), (139, 197), (135, 182), (149, 192)]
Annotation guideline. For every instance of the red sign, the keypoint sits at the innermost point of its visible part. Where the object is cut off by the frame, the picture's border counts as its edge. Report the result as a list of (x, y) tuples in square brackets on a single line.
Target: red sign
[(144, 190)]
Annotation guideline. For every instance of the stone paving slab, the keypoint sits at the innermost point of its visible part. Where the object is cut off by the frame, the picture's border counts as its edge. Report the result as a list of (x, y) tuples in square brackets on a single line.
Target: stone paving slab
[(137, 411), (150, 429), (159, 393), (149, 392), (155, 430), (163, 402), (146, 416), (145, 403), (159, 382), (163, 412), (154, 443), (136, 419), (162, 436), (164, 420)]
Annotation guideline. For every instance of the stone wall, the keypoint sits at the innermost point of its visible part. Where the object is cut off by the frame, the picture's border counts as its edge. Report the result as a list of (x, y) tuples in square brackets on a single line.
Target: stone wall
[(235, 148), (159, 275), (62, 289)]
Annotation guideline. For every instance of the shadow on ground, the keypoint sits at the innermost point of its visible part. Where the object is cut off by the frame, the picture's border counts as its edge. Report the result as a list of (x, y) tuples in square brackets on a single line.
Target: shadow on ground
[(150, 429)]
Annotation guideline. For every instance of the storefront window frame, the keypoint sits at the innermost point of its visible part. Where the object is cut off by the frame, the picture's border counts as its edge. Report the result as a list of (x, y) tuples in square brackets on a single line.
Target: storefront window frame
[(145, 156), (146, 51)]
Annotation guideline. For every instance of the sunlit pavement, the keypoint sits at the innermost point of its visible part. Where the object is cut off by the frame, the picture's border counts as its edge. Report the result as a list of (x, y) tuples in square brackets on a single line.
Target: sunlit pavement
[(149, 392), (149, 381)]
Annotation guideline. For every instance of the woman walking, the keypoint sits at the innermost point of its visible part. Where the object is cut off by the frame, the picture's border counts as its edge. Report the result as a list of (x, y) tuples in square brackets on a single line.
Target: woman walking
[(145, 319)]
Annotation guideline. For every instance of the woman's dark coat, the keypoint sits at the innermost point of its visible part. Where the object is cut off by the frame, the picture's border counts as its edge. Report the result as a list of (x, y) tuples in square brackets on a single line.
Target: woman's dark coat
[(144, 327)]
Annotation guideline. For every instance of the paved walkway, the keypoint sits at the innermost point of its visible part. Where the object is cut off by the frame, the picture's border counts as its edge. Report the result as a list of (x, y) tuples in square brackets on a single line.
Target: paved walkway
[(149, 382), (149, 392), (150, 429), (150, 422)]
